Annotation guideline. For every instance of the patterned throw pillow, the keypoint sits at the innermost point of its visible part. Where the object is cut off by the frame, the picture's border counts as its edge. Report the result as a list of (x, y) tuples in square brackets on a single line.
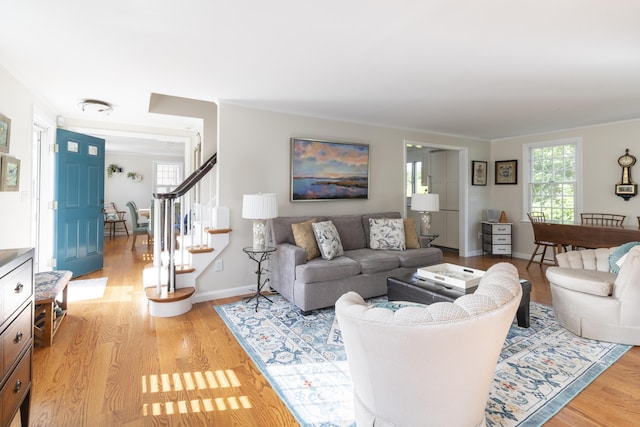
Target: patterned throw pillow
[(110, 212), (328, 239), (411, 234), (109, 208), (387, 233), (304, 237)]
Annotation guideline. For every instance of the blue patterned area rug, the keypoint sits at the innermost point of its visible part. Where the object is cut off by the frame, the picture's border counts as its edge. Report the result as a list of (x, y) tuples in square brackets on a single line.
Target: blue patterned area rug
[(540, 369)]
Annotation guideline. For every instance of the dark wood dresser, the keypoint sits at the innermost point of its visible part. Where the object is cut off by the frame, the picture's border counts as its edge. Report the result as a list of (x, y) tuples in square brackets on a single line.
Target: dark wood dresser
[(16, 333)]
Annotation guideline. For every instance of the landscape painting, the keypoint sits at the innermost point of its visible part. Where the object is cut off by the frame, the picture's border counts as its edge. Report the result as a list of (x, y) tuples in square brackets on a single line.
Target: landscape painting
[(324, 170)]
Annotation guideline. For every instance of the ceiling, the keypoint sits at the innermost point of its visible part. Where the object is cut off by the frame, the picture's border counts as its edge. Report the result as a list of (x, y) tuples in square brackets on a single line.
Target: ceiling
[(141, 145), (486, 68)]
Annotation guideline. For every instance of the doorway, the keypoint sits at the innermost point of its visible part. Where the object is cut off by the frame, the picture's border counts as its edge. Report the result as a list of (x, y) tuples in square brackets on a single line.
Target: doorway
[(440, 169), (43, 137)]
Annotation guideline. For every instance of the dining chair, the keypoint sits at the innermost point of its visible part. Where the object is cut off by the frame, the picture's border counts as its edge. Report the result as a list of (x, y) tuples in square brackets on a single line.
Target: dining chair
[(112, 218), (602, 219), (141, 220), (536, 219), (137, 227)]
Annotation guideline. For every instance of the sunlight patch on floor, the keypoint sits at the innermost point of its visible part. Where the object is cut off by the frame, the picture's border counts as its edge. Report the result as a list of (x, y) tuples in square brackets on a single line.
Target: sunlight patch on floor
[(187, 381)]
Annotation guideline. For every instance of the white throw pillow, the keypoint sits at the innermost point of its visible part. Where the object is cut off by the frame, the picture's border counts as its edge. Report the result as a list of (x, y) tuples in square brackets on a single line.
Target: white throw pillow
[(328, 239), (387, 233)]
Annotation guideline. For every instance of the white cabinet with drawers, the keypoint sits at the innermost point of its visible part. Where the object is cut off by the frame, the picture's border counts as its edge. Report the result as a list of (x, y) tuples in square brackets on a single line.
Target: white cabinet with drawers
[(496, 238)]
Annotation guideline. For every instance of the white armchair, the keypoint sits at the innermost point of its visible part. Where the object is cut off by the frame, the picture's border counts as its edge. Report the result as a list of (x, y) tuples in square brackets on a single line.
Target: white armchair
[(592, 302), (429, 365)]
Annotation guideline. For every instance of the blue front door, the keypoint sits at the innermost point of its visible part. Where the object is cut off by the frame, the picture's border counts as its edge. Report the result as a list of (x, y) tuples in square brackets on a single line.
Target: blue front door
[(79, 191)]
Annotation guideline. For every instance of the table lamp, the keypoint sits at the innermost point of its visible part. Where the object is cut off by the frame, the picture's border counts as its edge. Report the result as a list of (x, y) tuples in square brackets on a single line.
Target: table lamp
[(259, 207), (425, 203)]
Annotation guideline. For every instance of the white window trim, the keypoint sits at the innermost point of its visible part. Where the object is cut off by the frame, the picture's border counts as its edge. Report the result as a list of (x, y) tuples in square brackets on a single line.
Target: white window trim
[(166, 162), (526, 173)]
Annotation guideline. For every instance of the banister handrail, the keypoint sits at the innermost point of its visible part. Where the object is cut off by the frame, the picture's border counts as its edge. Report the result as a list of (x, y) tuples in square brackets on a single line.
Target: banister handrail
[(191, 180), (166, 203)]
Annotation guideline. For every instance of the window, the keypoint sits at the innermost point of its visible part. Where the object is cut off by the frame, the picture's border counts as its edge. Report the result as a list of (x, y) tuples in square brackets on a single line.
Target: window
[(553, 179), (415, 182), (167, 176)]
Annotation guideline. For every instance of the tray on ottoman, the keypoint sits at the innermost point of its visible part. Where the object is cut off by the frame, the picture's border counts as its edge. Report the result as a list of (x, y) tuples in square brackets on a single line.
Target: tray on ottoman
[(453, 275)]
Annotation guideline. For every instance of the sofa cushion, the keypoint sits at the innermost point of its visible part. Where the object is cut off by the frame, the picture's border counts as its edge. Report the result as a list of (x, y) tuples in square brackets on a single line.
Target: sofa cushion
[(350, 230), (320, 270), (588, 281), (411, 234), (367, 217), (387, 233), (305, 238), (417, 257), (281, 231), (328, 239), (373, 261)]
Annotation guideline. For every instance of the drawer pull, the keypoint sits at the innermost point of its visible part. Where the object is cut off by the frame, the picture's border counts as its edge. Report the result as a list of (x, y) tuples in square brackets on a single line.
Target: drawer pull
[(18, 337), (18, 288), (18, 386)]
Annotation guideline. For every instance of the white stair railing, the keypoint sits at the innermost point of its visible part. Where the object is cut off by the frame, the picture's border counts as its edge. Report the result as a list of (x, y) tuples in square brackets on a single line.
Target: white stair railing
[(186, 195)]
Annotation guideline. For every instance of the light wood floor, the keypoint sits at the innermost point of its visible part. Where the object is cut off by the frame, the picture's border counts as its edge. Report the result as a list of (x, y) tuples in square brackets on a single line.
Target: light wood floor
[(113, 364)]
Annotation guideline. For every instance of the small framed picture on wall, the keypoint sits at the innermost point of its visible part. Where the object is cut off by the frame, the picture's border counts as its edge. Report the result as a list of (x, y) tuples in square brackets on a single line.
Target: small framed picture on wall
[(478, 172), (506, 172), (5, 133), (9, 173)]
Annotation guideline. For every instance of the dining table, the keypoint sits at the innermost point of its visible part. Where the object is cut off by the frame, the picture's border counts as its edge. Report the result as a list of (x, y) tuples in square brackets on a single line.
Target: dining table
[(144, 212), (585, 236)]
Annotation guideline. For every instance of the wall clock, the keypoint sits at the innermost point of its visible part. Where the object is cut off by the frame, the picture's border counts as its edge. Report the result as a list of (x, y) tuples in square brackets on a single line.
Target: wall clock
[(626, 188)]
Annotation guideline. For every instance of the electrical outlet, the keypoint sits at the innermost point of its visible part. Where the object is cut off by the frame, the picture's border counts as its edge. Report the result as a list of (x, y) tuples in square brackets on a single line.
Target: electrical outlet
[(217, 266), (479, 235)]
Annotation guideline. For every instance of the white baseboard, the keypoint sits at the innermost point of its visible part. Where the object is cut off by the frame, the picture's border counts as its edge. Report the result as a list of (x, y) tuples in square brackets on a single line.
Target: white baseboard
[(223, 293), (505, 257)]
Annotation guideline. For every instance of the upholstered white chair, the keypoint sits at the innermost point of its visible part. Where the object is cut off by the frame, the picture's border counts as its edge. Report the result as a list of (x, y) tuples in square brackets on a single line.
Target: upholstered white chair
[(419, 365), (591, 301)]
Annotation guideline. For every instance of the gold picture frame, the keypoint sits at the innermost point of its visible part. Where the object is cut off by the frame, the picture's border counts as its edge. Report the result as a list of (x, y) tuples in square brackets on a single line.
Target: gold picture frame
[(328, 170), (9, 173)]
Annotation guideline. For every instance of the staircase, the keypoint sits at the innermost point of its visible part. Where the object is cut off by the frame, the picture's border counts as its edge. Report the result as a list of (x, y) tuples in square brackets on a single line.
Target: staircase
[(189, 239)]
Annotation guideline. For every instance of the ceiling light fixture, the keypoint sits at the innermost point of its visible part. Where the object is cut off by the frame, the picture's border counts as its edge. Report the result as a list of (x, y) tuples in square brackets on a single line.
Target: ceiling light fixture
[(95, 106)]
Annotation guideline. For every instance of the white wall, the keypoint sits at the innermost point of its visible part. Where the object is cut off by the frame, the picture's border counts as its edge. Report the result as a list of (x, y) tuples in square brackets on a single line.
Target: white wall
[(16, 216), (253, 149), (254, 156), (602, 145), (120, 189)]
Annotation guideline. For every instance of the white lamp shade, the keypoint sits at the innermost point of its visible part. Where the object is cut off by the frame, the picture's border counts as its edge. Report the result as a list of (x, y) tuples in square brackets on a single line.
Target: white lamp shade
[(259, 206), (425, 202)]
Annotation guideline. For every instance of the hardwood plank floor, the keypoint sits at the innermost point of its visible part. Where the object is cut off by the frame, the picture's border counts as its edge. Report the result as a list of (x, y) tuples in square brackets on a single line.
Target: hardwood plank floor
[(111, 363)]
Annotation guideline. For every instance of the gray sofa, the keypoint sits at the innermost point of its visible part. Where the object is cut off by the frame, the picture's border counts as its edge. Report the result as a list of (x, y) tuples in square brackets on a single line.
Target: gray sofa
[(319, 283)]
